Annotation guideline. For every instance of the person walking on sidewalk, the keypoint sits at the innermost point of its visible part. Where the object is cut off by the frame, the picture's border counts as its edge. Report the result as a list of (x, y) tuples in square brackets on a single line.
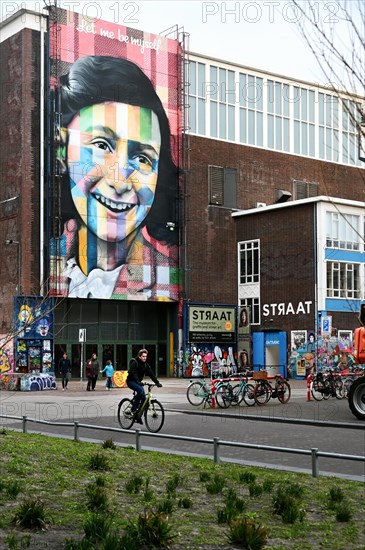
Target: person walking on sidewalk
[(65, 370), (138, 368), (92, 370), (109, 371)]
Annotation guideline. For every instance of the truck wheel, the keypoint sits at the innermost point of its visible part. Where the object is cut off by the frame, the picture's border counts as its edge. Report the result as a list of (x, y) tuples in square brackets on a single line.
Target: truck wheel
[(357, 398)]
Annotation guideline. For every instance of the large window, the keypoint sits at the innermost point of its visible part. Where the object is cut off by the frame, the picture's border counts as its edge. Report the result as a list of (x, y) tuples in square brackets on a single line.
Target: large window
[(251, 108), (350, 118), (328, 136), (278, 116), (249, 262), (343, 280), (342, 231), (222, 93), (197, 91), (304, 141), (254, 305)]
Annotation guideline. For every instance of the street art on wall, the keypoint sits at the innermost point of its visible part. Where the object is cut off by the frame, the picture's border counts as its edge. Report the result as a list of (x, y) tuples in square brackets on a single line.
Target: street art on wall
[(118, 148), (209, 360), (6, 354), (319, 352), (33, 334)]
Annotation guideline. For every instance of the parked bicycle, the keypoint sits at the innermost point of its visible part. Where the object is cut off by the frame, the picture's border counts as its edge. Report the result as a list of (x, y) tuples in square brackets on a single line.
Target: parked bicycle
[(199, 393), (232, 394), (264, 390), (151, 410), (326, 385)]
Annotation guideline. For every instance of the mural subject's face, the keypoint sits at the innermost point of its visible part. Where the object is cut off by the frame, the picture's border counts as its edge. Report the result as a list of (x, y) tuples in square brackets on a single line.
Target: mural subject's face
[(112, 154)]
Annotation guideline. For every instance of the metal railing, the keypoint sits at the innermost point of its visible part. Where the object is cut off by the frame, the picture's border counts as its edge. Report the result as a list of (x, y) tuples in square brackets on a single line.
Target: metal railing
[(217, 443)]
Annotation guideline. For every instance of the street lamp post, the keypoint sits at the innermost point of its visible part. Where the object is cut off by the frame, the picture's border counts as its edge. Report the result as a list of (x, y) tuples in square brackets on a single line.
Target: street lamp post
[(17, 243)]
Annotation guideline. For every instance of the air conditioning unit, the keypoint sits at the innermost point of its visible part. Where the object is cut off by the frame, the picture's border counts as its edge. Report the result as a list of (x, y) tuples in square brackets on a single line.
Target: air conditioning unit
[(260, 204)]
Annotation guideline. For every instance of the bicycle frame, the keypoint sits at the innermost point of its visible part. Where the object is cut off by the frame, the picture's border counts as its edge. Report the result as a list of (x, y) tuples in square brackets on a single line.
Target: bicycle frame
[(146, 402)]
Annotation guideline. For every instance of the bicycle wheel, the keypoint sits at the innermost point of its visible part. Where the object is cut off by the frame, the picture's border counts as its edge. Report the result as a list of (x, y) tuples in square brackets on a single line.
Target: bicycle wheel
[(154, 416), (283, 391), (196, 393), (248, 395), (317, 390), (327, 390), (237, 395), (262, 392), (347, 383), (125, 418), (339, 388), (223, 395)]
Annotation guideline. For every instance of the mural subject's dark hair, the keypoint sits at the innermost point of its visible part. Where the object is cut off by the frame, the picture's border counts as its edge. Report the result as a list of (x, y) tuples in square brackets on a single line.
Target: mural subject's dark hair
[(98, 79)]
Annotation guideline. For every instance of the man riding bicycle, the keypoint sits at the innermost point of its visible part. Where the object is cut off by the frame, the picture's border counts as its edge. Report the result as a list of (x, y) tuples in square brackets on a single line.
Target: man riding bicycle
[(138, 368)]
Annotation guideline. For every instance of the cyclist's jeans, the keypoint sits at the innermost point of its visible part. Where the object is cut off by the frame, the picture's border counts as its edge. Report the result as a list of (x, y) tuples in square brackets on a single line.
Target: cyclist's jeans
[(139, 397)]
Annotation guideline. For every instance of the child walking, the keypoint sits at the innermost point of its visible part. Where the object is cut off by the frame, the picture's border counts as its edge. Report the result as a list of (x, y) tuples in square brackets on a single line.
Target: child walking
[(109, 371)]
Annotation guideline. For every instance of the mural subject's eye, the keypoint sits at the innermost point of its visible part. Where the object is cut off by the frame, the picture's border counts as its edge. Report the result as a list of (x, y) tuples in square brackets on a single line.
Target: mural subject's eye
[(104, 144), (145, 162)]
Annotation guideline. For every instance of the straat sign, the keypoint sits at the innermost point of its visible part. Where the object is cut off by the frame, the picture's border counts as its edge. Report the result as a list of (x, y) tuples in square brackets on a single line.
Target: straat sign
[(211, 324)]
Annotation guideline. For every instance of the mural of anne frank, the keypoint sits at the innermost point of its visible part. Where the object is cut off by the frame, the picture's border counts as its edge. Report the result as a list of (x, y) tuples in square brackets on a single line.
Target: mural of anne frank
[(119, 185)]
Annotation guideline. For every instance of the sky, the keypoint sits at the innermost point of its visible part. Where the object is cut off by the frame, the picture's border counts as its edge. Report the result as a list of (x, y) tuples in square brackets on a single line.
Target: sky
[(261, 34)]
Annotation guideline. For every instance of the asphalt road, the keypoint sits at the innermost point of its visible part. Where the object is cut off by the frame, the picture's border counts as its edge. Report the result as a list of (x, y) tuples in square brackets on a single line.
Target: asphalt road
[(337, 430)]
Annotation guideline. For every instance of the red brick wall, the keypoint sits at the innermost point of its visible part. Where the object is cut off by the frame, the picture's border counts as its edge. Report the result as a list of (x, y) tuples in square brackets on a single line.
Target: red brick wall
[(19, 166), (211, 254), (287, 267)]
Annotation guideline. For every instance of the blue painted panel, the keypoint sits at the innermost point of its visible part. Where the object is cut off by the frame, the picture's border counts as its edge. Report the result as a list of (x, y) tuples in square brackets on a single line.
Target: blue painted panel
[(339, 304), (344, 255)]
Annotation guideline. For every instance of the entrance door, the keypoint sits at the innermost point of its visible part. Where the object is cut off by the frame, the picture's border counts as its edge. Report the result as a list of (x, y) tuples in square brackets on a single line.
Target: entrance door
[(108, 354)]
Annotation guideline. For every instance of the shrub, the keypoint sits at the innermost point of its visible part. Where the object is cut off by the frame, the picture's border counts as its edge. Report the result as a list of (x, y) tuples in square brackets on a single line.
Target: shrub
[(98, 461), (255, 489), (31, 514), (204, 476), (13, 488), (286, 503), (100, 481), (267, 485), (109, 444), (13, 544), (343, 512), (97, 497), (150, 529), (247, 477), (97, 526), (185, 502), (148, 494), (216, 485), (247, 533), (233, 507), (134, 484), (173, 483), (166, 506), (335, 494)]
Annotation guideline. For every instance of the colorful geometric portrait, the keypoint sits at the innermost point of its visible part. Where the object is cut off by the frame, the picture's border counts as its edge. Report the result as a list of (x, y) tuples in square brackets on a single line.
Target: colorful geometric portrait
[(117, 148)]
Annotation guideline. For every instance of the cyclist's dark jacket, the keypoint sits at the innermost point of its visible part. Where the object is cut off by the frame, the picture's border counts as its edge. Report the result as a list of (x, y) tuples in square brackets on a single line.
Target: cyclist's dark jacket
[(138, 369)]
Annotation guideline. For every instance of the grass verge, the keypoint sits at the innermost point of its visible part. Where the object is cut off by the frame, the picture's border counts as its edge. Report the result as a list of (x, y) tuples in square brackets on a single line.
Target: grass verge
[(67, 479)]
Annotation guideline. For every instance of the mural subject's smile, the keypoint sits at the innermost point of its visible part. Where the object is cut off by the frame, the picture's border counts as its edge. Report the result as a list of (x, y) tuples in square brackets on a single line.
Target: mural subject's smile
[(112, 205)]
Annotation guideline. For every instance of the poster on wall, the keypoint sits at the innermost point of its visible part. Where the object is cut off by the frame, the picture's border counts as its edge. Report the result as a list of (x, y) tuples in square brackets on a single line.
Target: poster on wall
[(33, 329), (298, 340), (244, 338), (118, 151), (211, 324)]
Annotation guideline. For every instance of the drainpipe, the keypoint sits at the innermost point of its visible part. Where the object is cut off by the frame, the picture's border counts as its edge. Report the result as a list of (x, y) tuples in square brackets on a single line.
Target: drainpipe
[(41, 160)]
